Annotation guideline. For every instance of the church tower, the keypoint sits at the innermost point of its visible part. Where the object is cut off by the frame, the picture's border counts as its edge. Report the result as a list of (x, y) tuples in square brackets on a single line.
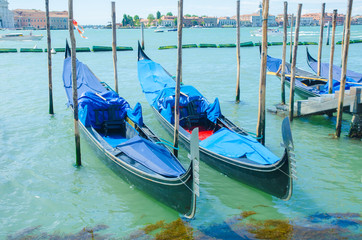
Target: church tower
[(6, 16)]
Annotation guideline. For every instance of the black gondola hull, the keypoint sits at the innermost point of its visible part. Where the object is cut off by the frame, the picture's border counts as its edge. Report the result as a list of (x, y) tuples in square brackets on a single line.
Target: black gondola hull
[(273, 179), (176, 193)]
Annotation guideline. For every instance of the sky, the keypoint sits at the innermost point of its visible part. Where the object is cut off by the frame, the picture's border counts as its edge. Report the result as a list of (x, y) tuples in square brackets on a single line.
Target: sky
[(99, 11)]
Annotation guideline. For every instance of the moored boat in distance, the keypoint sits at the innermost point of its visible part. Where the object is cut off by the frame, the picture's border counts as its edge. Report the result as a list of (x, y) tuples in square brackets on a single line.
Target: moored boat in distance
[(20, 37), (126, 144), (223, 145)]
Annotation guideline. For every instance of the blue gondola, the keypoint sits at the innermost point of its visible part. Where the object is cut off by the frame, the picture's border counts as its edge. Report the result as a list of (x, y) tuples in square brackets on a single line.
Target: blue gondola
[(223, 145), (126, 144)]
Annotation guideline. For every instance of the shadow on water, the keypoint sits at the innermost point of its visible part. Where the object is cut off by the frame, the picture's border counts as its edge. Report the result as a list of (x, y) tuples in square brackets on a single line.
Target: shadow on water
[(242, 226)]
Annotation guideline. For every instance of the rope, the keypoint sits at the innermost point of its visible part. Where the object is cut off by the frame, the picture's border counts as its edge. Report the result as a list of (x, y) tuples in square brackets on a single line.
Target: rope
[(251, 133), (168, 144)]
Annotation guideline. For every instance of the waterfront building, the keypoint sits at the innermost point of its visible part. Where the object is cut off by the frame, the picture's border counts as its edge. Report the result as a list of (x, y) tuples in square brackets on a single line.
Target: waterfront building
[(357, 20), (226, 22), (36, 19), (6, 16), (192, 21), (168, 21), (209, 21)]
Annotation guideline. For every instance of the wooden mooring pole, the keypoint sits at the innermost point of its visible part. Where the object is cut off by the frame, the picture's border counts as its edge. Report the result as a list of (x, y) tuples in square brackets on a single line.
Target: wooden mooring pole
[(260, 128), (178, 76), (285, 24), (321, 39), (238, 51), (294, 61), (142, 37), (343, 33), (291, 38), (114, 46), (51, 108), (344, 68), (330, 78), (74, 83), (328, 32)]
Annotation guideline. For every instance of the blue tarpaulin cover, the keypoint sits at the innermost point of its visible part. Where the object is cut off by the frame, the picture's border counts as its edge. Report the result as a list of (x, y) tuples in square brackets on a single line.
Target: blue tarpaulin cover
[(89, 101), (273, 65), (351, 76), (230, 144), (136, 114), (152, 156), (159, 88), (88, 87)]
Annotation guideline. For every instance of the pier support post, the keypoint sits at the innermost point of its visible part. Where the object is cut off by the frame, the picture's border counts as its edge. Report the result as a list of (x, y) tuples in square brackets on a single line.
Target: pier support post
[(114, 46), (294, 60), (291, 38), (328, 32), (260, 129), (330, 79), (238, 51), (344, 68), (178, 76), (285, 24), (142, 37), (51, 108), (321, 39), (74, 83)]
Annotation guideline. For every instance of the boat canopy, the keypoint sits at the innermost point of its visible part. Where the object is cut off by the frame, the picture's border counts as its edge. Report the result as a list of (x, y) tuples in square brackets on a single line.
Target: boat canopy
[(159, 88), (351, 76), (230, 144), (152, 156), (96, 103)]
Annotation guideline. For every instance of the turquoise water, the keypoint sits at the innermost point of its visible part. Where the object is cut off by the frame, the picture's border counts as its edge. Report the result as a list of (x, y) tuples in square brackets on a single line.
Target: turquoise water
[(42, 192)]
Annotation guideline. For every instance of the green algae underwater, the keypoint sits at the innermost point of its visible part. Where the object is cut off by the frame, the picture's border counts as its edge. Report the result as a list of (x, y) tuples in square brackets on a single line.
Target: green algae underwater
[(243, 226)]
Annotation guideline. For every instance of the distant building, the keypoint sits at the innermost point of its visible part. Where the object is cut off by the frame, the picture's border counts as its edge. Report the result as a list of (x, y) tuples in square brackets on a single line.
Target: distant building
[(279, 19), (357, 20), (255, 19), (36, 19), (226, 22), (192, 21), (209, 21), (168, 21), (6, 16), (315, 18)]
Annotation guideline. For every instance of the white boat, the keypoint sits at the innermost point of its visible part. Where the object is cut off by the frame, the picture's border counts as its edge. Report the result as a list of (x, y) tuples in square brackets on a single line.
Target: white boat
[(271, 31), (20, 37)]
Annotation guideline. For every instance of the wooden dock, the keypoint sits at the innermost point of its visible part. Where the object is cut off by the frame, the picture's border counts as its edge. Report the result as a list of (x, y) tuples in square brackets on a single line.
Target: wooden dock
[(325, 104)]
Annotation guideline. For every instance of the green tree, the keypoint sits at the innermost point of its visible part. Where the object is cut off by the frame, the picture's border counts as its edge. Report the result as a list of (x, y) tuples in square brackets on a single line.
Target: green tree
[(194, 23), (150, 18), (136, 19), (169, 14), (188, 15), (158, 15), (175, 21)]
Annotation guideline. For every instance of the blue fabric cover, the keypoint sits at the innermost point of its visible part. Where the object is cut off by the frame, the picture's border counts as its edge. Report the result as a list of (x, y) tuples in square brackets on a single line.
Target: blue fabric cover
[(273, 66), (337, 71), (152, 156), (86, 81), (89, 101), (153, 78), (159, 88), (88, 85), (230, 144), (136, 114)]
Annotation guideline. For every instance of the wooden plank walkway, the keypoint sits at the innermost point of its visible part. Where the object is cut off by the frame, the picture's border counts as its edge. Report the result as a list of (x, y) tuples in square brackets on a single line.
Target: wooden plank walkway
[(325, 104)]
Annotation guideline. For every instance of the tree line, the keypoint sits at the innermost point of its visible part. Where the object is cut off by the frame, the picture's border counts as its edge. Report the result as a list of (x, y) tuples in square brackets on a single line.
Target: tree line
[(135, 20)]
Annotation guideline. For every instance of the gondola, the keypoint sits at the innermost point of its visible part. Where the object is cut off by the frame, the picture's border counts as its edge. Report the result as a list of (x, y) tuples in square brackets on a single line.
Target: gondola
[(126, 144), (223, 145), (351, 76), (309, 85)]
